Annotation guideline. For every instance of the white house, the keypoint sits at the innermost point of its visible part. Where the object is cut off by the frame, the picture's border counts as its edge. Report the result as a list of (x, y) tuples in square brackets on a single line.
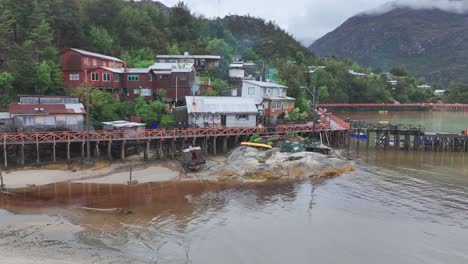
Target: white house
[(236, 71), (271, 96), (259, 90), (439, 92), (424, 86), (226, 111)]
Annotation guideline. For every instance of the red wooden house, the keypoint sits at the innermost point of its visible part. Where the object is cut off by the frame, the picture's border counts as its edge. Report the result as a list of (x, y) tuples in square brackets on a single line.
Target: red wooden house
[(76, 62)]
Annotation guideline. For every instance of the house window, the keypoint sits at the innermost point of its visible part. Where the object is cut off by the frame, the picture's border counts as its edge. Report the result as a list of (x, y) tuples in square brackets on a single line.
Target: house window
[(251, 90), (74, 77), (150, 77), (94, 62), (145, 92), (183, 77), (86, 61), (116, 78), (164, 77), (106, 77), (276, 105), (94, 76), (133, 77), (136, 91), (242, 117)]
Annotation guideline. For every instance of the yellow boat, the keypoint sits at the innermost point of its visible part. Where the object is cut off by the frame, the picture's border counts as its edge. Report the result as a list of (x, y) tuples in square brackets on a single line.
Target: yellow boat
[(258, 145)]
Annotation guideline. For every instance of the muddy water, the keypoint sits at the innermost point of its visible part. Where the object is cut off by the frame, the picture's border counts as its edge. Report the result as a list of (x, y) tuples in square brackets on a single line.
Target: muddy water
[(396, 208)]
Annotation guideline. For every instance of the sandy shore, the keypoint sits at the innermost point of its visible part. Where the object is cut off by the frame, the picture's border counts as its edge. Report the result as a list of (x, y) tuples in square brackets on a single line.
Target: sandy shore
[(244, 164), (116, 173)]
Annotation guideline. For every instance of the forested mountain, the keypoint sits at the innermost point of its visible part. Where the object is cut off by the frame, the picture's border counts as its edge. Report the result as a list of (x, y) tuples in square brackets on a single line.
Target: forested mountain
[(431, 43), (33, 32)]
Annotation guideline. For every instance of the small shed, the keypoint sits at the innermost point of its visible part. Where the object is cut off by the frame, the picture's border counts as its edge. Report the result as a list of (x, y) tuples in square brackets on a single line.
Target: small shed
[(205, 111), (123, 125)]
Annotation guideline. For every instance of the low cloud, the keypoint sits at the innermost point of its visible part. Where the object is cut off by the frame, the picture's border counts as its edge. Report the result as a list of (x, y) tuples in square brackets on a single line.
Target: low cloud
[(456, 6)]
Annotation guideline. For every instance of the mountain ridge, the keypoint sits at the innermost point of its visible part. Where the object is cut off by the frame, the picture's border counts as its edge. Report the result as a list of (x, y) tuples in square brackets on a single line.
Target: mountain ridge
[(431, 43)]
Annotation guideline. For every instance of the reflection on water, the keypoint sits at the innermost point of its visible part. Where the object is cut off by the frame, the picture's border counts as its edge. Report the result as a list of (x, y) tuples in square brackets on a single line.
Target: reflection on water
[(398, 207)]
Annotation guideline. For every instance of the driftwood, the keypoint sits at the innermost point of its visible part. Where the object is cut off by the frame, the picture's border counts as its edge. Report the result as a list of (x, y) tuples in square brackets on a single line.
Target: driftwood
[(108, 210)]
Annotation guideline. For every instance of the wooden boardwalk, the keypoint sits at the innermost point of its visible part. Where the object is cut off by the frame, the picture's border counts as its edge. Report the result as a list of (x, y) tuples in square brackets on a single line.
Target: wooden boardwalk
[(397, 107), (407, 137), (161, 141)]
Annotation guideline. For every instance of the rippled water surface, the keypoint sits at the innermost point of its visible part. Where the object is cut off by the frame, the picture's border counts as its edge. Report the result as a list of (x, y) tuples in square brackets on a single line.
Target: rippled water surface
[(396, 208)]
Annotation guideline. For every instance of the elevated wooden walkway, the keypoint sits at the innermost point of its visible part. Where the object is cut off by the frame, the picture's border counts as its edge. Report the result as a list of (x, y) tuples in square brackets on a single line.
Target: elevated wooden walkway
[(163, 142), (397, 107), (406, 137)]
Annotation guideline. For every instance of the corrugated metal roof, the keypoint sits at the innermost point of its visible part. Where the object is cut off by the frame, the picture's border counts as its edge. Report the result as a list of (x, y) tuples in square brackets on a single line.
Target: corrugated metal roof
[(129, 70), (172, 66), (220, 104), (266, 84), (212, 57), (97, 55), (31, 109), (278, 98)]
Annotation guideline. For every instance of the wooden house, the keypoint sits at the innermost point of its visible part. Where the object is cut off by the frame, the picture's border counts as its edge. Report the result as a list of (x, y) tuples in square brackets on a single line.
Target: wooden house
[(75, 62), (46, 113), (201, 62)]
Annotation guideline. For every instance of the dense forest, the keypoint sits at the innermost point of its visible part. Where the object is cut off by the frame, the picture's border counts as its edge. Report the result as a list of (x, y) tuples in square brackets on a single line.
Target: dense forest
[(33, 32)]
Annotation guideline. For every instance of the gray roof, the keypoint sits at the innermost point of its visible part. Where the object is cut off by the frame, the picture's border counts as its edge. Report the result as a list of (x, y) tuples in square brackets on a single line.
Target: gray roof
[(278, 98), (172, 66), (220, 104), (266, 84), (97, 55), (212, 57)]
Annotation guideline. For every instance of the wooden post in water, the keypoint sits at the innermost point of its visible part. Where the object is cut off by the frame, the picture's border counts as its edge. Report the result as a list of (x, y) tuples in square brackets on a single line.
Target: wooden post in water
[(5, 155), (214, 145), (2, 186), (38, 155), (147, 150)]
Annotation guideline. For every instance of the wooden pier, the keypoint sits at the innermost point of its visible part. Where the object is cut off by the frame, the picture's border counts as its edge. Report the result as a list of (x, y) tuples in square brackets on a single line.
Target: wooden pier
[(397, 107), (50, 147), (406, 137)]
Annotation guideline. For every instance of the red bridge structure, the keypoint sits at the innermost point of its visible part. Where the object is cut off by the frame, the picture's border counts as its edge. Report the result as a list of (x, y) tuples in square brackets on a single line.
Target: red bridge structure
[(163, 143), (398, 107)]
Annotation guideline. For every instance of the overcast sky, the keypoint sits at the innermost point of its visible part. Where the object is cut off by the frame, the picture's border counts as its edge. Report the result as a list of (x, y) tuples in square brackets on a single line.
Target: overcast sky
[(307, 20)]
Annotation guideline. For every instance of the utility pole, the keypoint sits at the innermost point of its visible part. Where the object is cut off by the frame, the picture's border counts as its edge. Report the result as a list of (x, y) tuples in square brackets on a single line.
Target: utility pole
[(88, 147), (176, 87)]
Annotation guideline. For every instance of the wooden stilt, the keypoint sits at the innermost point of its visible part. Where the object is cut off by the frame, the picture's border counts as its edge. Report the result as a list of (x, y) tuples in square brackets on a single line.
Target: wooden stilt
[(214, 145), (109, 150), (54, 154), (147, 150), (225, 144), (38, 155), (5, 155), (122, 151), (22, 155), (68, 151)]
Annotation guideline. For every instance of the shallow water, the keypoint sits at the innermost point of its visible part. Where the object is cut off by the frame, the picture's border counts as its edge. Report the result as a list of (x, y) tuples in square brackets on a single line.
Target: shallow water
[(397, 207)]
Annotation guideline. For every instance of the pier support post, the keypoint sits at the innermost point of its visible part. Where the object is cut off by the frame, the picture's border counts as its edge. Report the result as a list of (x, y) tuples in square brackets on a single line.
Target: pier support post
[(68, 151), (225, 144), (109, 150), (160, 149), (22, 154), (194, 142), (38, 155), (173, 148), (147, 150), (97, 151), (54, 153), (5, 155), (122, 151), (214, 145), (83, 151)]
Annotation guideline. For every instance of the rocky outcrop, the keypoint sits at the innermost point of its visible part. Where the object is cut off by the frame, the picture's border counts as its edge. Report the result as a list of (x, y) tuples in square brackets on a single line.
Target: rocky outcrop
[(247, 163)]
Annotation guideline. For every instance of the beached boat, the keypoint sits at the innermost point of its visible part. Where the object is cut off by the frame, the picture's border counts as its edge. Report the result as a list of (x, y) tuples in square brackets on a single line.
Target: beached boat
[(360, 136), (193, 158), (256, 145)]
